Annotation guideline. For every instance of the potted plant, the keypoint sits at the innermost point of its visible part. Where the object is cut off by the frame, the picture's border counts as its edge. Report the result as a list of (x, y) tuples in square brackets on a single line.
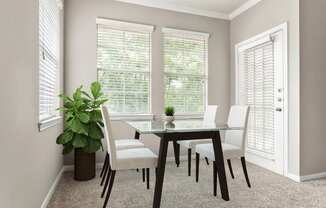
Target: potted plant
[(82, 129), (169, 114)]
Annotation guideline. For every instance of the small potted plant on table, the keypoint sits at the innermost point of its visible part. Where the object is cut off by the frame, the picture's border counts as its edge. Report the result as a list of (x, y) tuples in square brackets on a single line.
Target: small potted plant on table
[(169, 114), (82, 129)]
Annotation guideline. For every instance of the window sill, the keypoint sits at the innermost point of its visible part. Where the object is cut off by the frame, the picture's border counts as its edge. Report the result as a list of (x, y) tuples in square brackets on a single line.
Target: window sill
[(186, 116), (48, 123), (131, 117)]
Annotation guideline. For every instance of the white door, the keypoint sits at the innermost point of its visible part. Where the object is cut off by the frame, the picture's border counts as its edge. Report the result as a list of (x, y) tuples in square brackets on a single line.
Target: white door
[(262, 84)]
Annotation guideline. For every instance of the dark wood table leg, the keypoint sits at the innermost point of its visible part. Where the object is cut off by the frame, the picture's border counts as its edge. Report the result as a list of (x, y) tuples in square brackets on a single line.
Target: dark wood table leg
[(220, 168), (176, 148), (160, 172)]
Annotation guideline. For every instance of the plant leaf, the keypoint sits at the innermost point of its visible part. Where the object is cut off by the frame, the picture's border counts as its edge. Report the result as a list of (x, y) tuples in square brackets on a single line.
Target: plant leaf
[(67, 148), (93, 146), (84, 117), (95, 116), (94, 131), (80, 141), (78, 93), (96, 89), (65, 137), (77, 127)]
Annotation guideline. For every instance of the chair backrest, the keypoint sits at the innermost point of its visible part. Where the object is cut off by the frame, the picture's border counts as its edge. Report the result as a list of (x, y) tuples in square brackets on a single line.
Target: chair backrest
[(210, 114), (111, 147), (238, 117)]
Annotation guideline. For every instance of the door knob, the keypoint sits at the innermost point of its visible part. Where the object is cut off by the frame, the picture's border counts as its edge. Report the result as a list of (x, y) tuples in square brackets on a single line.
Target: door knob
[(279, 109)]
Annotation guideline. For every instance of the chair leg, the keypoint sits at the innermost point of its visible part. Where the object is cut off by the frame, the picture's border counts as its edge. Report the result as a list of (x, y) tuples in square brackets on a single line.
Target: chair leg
[(244, 167), (230, 168), (147, 177), (106, 182), (104, 164), (144, 175), (214, 178), (176, 148), (109, 189), (206, 160), (197, 166), (106, 170), (189, 162)]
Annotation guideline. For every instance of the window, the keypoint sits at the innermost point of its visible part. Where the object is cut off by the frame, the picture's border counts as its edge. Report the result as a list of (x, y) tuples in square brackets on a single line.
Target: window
[(185, 70), (124, 65), (49, 59)]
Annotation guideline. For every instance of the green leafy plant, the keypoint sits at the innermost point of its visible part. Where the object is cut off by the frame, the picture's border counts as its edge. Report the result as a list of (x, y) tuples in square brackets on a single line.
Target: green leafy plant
[(169, 111), (83, 120)]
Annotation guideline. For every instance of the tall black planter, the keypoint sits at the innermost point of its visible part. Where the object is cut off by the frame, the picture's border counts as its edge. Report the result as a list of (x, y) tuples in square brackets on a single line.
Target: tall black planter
[(84, 165)]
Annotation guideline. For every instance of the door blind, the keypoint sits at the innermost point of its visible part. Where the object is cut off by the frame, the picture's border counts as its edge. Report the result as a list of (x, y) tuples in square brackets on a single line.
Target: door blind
[(49, 45), (185, 69), (124, 65), (257, 80)]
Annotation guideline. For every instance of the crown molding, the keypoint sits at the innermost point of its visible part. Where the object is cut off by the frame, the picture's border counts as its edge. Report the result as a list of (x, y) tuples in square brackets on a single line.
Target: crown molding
[(172, 7), (218, 15), (244, 7)]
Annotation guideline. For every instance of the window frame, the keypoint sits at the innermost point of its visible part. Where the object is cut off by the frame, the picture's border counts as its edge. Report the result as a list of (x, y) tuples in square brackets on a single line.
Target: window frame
[(53, 120), (172, 32), (130, 27)]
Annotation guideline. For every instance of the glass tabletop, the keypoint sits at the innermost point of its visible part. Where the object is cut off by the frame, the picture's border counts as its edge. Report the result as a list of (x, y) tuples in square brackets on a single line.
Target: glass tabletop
[(155, 127)]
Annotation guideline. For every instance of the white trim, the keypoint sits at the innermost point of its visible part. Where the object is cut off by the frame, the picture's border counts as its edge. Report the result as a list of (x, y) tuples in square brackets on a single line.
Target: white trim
[(313, 176), (130, 117), (45, 124), (187, 33), (122, 25), (294, 177), (52, 189), (244, 7), (201, 12), (60, 4), (176, 8)]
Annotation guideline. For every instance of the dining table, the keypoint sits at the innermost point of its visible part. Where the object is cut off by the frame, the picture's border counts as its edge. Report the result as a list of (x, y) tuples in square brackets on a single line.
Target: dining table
[(182, 130)]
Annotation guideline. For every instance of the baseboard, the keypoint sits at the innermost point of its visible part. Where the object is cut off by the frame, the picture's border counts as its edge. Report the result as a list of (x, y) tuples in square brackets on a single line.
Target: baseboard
[(313, 177), (294, 177), (52, 189), (306, 177)]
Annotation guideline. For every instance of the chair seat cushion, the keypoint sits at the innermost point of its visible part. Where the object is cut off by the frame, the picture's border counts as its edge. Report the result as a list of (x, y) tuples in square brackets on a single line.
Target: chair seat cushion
[(189, 144), (229, 151), (122, 144), (136, 158)]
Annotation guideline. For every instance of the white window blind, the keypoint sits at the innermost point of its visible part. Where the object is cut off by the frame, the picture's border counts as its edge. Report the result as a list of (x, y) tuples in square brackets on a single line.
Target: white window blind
[(256, 89), (49, 47), (185, 70), (124, 65)]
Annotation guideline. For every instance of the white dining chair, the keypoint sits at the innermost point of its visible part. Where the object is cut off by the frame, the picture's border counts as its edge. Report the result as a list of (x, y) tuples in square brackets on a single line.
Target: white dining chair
[(126, 159), (233, 145), (209, 117), (121, 144)]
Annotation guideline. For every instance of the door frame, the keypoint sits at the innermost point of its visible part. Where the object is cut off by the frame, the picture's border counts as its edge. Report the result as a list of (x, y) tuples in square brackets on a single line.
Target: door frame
[(253, 41)]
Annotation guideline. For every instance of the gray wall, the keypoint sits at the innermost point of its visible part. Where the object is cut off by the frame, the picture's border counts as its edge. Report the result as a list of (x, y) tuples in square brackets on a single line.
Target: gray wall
[(266, 15), (80, 48), (312, 83), (30, 160)]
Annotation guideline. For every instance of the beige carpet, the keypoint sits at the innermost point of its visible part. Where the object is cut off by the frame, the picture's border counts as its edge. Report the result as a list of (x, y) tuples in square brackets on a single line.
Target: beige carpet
[(181, 191)]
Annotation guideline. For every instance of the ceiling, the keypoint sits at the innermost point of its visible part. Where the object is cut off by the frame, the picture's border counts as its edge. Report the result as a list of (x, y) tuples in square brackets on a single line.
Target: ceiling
[(223, 9)]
